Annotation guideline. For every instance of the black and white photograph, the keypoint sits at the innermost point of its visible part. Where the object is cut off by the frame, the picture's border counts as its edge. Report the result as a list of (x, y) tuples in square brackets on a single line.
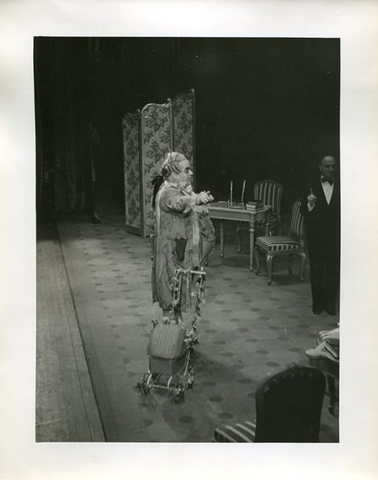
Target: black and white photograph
[(188, 224), (189, 191)]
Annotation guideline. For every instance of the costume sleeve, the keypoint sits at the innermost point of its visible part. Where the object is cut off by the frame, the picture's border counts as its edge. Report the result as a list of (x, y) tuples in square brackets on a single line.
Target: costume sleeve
[(175, 201)]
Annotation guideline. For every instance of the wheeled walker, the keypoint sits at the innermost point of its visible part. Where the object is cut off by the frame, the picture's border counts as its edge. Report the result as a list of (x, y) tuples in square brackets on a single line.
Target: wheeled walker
[(171, 343)]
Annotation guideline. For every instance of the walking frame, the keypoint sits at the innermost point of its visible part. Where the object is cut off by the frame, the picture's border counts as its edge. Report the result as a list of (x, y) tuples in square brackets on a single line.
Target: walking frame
[(171, 343)]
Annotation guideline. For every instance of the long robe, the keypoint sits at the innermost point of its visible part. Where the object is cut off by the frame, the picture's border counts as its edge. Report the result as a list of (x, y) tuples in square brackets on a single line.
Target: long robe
[(184, 238)]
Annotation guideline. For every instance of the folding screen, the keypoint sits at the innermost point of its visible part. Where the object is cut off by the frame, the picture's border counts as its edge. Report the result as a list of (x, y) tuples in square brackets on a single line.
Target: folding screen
[(147, 137), (183, 108), (131, 158), (156, 141)]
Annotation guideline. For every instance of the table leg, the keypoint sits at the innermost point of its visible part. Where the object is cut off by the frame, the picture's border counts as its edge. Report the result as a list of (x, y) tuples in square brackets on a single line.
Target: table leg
[(251, 244), (332, 394), (221, 226)]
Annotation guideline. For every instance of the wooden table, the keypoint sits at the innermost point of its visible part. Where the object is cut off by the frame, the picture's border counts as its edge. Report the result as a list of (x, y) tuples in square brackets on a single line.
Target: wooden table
[(240, 215)]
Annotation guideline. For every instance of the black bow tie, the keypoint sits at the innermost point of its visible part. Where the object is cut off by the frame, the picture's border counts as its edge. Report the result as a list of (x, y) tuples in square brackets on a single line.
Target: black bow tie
[(329, 181)]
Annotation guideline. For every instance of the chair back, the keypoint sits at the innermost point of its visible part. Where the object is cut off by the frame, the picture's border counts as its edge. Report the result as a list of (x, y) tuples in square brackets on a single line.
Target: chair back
[(297, 222), (289, 405), (270, 193)]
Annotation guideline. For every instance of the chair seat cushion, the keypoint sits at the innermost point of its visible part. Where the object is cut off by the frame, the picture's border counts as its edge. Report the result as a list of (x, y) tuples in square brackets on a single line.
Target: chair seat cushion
[(238, 433), (276, 244)]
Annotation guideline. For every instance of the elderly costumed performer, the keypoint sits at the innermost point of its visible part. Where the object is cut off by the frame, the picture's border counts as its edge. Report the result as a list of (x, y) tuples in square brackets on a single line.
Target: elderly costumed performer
[(184, 233)]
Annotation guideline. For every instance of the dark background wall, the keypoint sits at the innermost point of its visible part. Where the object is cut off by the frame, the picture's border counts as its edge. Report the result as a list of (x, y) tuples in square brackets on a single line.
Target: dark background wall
[(264, 107)]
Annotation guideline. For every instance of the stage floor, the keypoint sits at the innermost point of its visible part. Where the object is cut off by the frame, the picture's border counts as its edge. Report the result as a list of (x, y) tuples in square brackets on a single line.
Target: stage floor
[(91, 351)]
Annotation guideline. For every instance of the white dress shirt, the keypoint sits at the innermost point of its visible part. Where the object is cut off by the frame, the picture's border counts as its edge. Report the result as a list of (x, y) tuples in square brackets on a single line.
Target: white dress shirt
[(328, 191)]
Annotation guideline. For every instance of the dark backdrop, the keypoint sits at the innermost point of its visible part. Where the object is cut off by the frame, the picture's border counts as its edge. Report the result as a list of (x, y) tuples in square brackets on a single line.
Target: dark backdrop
[(265, 107)]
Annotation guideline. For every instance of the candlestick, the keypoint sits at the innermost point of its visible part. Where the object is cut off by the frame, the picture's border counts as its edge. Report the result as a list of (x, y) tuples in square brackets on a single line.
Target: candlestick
[(243, 190), (231, 193)]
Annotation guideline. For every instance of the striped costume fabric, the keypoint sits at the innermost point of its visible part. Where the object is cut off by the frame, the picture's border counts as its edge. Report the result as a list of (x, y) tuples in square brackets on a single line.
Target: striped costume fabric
[(238, 433)]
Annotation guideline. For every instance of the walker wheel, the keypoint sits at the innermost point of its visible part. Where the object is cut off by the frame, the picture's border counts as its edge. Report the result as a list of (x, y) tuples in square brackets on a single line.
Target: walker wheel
[(142, 388), (143, 385), (179, 393)]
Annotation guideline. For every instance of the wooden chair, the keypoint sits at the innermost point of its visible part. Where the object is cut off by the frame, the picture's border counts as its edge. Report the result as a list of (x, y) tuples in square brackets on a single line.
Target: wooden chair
[(275, 245), (270, 193), (288, 409)]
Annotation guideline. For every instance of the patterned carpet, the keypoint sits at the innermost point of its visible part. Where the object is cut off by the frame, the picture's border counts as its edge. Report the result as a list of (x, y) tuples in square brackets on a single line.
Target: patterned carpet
[(248, 330)]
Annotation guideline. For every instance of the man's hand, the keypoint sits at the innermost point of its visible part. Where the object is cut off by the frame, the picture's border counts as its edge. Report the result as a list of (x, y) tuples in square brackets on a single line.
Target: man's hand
[(311, 199)]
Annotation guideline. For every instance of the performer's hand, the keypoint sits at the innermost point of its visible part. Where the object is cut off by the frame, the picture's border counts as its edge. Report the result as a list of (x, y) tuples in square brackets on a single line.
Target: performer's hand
[(311, 199), (204, 197), (211, 198)]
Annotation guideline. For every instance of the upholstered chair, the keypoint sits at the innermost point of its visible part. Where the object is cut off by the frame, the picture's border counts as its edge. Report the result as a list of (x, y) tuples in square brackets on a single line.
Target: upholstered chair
[(278, 245), (288, 409), (268, 192)]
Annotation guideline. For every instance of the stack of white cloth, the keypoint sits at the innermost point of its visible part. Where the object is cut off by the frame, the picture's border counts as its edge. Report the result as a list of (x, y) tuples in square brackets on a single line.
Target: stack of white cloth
[(328, 346)]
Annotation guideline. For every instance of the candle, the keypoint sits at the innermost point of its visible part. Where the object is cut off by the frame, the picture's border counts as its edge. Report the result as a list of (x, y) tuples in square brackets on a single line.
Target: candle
[(243, 190), (231, 193)]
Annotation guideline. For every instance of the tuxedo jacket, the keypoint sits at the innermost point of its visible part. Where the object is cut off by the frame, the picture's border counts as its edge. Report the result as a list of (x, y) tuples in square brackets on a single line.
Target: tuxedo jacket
[(323, 221)]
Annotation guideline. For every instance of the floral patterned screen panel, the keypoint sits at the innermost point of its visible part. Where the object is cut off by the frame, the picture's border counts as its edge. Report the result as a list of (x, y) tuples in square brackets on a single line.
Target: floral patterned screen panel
[(131, 157), (156, 141), (183, 106)]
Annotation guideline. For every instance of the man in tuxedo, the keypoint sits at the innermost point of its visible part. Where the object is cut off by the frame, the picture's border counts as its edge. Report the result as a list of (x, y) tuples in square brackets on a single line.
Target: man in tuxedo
[(321, 208)]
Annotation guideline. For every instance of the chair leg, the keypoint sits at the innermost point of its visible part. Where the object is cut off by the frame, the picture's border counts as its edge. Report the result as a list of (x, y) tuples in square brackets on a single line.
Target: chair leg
[(257, 260), (290, 264), (269, 262), (303, 264), (332, 394)]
